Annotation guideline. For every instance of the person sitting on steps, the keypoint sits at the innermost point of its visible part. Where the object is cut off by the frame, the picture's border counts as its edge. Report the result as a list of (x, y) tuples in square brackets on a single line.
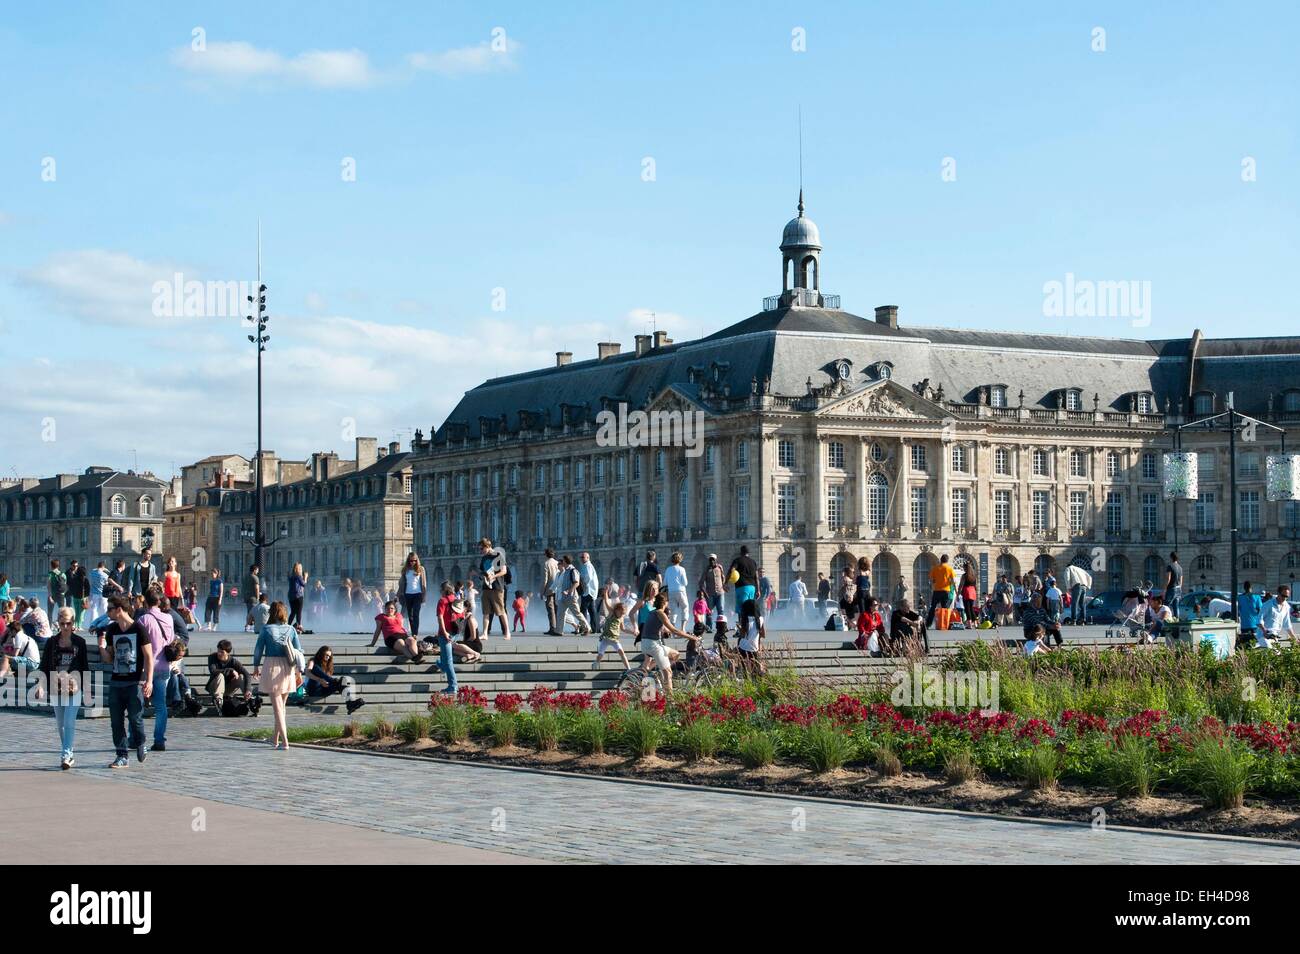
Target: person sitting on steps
[(321, 681)]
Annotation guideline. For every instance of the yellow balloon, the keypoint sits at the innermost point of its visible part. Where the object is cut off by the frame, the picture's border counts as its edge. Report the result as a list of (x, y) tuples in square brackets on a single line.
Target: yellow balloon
[(735, 575)]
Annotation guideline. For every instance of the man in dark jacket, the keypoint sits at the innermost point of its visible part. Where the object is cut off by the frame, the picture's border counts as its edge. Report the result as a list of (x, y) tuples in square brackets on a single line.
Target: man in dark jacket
[(79, 590)]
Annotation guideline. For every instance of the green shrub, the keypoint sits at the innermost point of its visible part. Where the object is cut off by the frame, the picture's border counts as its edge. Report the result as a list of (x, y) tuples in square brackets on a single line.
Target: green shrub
[(378, 728), (757, 750), (825, 746), (590, 732), (504, 727), (1220, 772), (1040, 767), (700, 739), (351, 730), (959, 766), (1132, 767), (414, 726), (886, 761), (546, 729), (643, 732), (451, 723)]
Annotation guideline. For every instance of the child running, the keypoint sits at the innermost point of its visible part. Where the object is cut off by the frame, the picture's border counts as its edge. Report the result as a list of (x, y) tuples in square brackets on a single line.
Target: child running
[(609, 636), (520, 606)]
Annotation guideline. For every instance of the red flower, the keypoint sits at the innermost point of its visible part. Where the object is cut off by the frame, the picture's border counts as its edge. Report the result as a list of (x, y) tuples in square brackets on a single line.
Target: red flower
[(614, 699), (469, 696), (1034, 730), (508, 701), (577, 701), (542, 697)]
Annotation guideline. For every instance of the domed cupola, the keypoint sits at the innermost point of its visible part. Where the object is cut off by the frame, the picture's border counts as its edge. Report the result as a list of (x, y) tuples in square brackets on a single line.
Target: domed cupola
[(801, 249)]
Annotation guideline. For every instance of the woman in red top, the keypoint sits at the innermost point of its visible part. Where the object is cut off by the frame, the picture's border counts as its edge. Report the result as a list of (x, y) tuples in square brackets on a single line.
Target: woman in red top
[(871, 623), (389, 625), (172, 582), (970, 595)]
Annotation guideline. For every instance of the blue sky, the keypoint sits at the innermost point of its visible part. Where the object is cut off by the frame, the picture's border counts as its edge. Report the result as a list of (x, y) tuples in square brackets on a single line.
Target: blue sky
[(522, 170)]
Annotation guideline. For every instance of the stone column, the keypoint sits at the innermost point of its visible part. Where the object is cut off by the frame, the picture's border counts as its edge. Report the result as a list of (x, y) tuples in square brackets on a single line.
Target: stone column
[(903, 473), (815, 514)]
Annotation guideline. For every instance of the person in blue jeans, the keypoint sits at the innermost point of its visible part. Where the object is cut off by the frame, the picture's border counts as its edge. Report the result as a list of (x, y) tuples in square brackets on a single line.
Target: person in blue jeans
[(451, 612), (64, 665), (125, 647)]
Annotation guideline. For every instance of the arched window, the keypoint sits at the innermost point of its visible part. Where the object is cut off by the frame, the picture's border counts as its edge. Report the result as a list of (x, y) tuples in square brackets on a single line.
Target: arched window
[(1250, 561), (921, 576), (83, 505), (117, 506), (146, 506), (1007, 566), (43, 508), (27, 509), (1073, 399), (998, 395), (1043, 565), (1041, 463), (1117, 573), (1205, 561), (1203, 403), (882, 576), (877, 500), (1153, 569), (56, 508)]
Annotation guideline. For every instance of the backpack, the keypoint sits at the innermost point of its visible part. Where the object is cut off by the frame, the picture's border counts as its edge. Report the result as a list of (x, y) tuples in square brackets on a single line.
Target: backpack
[(58, 583)]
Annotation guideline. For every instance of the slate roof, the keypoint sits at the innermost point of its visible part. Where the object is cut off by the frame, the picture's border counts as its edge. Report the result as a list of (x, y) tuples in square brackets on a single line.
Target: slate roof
[(789, 346)]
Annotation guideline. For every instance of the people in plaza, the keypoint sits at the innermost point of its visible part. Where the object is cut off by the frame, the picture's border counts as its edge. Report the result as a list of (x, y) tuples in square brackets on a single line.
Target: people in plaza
[(297, 591), (171, 583), (160, 629), (872, 635), (56, 588), (654, 635), (609, 636), (34, 621), (798, 598), (700, 613), (743, 576), (906, 626), (343, 599), (970, 595), (713, 582), (942, 579), (260, 613), (1078, 583), (648, 570), (390, 626), (251, 589), (518, 623), (413, 586), (63, 662), (179, 691), (277, 644), (569, 580), (143, 573), (78, 590), (450, 612), (1052, 597), (676, 585), (118, 580), (1173, 588), (321, 681), (766, 592), (99, 580), (1211, 607), (1275, 619), (19, 653), (1034, 640), (4, 588), (496, 575), (125, 645), (227, 676), (588, 591), (212, 604), (1037, 614), (550, 571), (1157, 616), (318, 600), (1003, 607), (1250, 607)]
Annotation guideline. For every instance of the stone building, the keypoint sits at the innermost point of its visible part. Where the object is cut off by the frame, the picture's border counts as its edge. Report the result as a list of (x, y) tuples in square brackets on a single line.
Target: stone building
[(829, 437), (213, 469), (344, 518), (101, 514)]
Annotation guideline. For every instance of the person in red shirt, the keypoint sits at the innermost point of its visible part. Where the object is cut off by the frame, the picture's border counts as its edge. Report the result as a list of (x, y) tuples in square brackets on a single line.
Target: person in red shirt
[(389, 625), (870, 623), (521, 611)]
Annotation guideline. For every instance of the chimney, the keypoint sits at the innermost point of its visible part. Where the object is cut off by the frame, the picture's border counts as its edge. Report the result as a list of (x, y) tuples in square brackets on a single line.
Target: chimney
[(367, 452), (607, 349), (887, 315), (661, 339), (394, 447), (642, 344), (562, 358), (383, 452)]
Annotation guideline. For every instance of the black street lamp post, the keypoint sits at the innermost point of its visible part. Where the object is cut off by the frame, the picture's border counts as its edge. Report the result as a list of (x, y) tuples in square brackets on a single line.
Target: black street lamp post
[(260, 338), (1230, 420)]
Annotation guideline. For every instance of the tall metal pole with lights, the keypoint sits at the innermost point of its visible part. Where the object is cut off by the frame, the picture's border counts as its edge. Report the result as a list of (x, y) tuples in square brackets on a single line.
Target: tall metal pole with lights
[(259, 339)]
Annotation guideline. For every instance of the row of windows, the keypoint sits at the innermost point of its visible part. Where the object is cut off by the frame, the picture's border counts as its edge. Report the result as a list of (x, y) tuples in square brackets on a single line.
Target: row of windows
[(67, 506), (602, 471), (316, 494)]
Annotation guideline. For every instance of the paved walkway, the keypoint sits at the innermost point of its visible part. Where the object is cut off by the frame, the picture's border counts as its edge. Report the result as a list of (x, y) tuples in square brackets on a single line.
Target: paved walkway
[(480, 810)]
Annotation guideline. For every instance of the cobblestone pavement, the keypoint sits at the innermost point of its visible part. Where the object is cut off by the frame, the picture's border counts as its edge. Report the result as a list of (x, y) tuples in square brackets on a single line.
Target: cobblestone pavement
[(581, 819)]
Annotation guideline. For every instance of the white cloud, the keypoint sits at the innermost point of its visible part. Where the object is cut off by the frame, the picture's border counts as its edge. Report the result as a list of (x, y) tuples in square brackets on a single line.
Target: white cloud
[(480, 58), (315, 301), (238, 61), (101, 286)]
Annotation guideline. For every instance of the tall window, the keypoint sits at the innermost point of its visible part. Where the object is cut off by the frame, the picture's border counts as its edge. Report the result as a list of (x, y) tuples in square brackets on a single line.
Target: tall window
[(742, 505), (146, 506), (636, 513), (919, 508), (598, 517), (1206, 465), (918, 458), (1248, 466), (710, 517), (1041, 508), (1114, 512), (1203, 511), (785, 453), (636, 466), (959, 458), (1002, 462), (579, 473), (1113, 464), (620, 514), (1001, 510), (659, 463), (1150, 514), (1203, 404), (998, 396), (683, 505), (1248, 512), (1078, 510), (1078, 463), (579, 518), (785, 504), (708, 458), (1074, 400), (117, 507), (1040, 463), (835, 506), (742, 455), (960, 507), (659, 510), (620, 468), (877, 501), (835, 455), (1148, 465), (539, 521)]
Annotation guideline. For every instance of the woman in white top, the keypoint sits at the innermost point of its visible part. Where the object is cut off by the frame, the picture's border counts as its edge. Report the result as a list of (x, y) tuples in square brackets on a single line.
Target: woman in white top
[(412, 588)]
